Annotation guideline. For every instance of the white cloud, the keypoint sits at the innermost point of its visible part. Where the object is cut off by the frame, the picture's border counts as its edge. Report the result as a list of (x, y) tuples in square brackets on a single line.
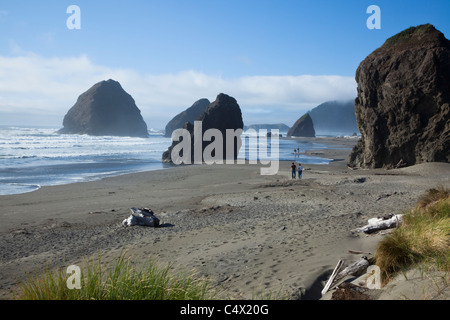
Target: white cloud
[(32, 85)]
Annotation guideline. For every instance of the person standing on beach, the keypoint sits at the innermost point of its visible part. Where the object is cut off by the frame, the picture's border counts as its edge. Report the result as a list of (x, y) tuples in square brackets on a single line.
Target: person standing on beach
[(293, 169), (300, 170)]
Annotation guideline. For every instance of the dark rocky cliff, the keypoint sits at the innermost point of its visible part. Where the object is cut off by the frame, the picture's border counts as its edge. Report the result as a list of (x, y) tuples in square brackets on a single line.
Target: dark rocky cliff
[(189, 115), (105, 109), (303, 127), (403, 102), (224, 113)]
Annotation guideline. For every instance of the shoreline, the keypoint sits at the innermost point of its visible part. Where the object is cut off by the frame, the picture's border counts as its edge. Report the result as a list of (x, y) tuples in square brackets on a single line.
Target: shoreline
[(249, 234), (25, 187)]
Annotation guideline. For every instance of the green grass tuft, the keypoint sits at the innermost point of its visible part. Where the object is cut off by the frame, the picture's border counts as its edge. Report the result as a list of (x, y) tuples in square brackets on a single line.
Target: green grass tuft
[(424, 237), (405, 35), (121, 281)]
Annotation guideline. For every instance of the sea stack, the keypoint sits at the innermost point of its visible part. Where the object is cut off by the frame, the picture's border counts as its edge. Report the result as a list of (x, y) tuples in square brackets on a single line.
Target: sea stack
[(224, 113), (189, 115), (303, 127), (403, 102), (105, 110)]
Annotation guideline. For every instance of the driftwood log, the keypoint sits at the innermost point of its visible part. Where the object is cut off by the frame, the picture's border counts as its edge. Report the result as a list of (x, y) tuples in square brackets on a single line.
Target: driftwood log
[(339, 272), (358, 252), (141, 217), (333, 276), (377, 224)]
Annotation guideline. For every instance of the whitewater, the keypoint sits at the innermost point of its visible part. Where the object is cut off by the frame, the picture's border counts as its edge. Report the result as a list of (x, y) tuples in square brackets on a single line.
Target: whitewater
[(31, 157)]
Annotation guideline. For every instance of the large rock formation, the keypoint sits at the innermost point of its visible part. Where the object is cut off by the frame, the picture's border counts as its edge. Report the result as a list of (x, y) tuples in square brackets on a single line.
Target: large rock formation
[(224, 113), (303, 127), (403, 103), (105, 109), (189, 115), (334, 117)]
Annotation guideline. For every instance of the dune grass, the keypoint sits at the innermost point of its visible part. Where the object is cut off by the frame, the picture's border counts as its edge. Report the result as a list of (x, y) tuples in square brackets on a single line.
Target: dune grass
[(423, 238), (121, 281)]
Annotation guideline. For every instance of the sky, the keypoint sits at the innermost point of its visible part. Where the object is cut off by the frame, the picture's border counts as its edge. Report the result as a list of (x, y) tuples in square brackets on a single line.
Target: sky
[(278, 59)]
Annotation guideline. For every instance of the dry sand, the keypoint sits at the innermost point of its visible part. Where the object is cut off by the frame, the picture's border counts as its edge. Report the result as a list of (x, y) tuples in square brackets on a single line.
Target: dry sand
[(249, 234)]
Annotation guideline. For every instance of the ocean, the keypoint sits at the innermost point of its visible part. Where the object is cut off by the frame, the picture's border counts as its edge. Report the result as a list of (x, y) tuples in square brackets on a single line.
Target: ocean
[(31, 157)]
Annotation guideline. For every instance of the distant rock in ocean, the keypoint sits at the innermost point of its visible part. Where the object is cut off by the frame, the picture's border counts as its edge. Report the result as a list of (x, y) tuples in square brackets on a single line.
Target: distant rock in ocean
[(335, 117), (189, 115), (303, 127), (224, 113), (403, 102), (105, 110)]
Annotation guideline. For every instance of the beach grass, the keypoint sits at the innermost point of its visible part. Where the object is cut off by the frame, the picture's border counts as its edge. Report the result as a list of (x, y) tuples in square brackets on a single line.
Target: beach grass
[(122, 280), (423, 239)]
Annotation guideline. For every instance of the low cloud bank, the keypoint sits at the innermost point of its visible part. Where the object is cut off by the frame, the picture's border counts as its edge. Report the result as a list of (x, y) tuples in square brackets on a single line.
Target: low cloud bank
[(35, 87)]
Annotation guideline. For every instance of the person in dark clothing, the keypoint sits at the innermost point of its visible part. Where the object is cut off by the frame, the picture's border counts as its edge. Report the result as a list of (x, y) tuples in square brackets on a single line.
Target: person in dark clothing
[(293, 169)]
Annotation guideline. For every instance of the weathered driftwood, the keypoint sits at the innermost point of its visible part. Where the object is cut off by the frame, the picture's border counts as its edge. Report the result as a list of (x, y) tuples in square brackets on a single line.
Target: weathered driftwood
[(355, 269), (144, 211), (358, 252), (377, 224), (141, 217), (333, 275)]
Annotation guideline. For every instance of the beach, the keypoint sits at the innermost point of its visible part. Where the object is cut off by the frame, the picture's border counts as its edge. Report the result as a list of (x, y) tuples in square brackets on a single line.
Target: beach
[(248, 233)]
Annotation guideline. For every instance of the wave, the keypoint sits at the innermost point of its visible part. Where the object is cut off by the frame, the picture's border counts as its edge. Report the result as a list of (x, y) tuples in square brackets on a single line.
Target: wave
[(17, 188), (40, 157)]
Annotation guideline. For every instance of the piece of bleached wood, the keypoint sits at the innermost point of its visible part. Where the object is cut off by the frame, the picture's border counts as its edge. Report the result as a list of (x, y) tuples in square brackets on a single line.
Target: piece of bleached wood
[(355, 269), (333, 275), (141, 218), (358, 252), (381, 224)]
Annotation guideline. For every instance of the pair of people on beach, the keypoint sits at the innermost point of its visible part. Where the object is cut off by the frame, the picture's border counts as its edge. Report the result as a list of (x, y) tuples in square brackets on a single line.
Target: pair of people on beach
[(294, 169)]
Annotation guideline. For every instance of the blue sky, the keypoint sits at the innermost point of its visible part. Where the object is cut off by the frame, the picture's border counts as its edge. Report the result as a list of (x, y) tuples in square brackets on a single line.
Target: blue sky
[(277, 58)]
